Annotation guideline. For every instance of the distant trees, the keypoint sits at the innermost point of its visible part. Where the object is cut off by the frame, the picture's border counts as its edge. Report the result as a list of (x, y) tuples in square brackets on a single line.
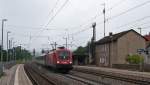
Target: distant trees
[(22, 54), (134, 59), (16, 53), (82, 50)]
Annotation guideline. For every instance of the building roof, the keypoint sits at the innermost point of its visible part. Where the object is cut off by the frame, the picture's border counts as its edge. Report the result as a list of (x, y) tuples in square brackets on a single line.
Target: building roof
[(147, 37), (114, 37)]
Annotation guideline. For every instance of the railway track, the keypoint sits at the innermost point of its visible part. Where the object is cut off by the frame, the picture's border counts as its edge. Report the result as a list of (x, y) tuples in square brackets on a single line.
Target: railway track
[(70, 79), (83, 80), (80, 77), (37, 77), (117, 76), (87, 78)]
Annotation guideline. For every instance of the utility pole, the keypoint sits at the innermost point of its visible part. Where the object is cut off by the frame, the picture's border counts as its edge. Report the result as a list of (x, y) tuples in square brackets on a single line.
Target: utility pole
[(34, 52), (104, 19), (89, 49), (21, 49), (3, 20), (11, 47), (140, 30), (141, 64), (93, 41), (104, 12), (66, 42), (7, 45), (55, 45), (14, 50), (9, 50), (94, 31)]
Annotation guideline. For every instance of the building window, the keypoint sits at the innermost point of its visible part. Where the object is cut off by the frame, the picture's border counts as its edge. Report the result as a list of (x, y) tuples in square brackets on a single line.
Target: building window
[(102, 60)]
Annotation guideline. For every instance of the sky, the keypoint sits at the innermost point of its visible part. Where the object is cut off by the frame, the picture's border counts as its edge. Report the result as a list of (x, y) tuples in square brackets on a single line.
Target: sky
[(35, 24)]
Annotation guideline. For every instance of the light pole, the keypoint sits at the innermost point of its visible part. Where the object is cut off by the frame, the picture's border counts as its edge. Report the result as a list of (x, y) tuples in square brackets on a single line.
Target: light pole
[(11, 47), (3, 20), (7, 45), (93, 41), (14, 51)]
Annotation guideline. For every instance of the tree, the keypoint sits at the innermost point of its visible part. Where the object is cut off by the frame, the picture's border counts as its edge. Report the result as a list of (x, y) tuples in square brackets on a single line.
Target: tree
[(80, 50), (20, 54), (135, 59)]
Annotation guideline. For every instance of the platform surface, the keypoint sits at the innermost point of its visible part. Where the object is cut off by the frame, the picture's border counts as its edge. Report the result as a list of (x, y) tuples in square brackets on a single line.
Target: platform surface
[(8, 77), (21, 77)]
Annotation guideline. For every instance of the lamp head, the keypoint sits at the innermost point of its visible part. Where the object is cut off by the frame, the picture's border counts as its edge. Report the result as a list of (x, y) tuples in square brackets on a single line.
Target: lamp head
[(4, 19)]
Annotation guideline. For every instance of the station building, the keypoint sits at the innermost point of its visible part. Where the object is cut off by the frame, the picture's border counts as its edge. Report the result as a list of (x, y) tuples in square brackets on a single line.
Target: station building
[(115, 48)]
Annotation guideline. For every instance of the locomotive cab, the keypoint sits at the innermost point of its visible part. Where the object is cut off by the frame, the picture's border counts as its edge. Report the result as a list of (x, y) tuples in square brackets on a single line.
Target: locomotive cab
[(64, 59), (59, 59)]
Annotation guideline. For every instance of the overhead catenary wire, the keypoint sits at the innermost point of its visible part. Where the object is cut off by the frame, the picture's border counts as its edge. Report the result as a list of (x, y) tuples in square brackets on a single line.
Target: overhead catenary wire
[(139, 25), (51, 11), (37, 28), (93, 18), (116, 4), (59, 10), (78, 32), (127, 24), (131, 9), (137, 20), (51, 19)]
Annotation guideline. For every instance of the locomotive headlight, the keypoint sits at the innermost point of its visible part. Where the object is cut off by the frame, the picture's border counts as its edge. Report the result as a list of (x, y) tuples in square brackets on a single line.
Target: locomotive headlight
[(70, 62), (58, 62)]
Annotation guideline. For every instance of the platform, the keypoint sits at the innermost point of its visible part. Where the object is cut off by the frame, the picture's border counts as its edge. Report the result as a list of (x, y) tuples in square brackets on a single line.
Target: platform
[(20, 77), (8, 77)]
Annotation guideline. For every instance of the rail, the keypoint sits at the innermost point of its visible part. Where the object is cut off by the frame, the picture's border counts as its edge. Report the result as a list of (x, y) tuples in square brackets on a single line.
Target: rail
[(116, 76), (37, 77)]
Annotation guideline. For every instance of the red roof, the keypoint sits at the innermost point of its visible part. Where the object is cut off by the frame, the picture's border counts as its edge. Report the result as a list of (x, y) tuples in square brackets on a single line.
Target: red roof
[(147, 37)]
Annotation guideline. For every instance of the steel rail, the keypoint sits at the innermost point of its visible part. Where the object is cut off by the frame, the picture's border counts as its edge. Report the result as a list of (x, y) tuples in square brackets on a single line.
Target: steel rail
[(136, 81), (32, 73)]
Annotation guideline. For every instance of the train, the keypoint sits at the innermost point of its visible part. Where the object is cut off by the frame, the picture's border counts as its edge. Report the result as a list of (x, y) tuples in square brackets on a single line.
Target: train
[(59, 59)]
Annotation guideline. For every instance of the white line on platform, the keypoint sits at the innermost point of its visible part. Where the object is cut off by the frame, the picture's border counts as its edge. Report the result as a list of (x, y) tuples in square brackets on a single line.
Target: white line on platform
[(16, 76)]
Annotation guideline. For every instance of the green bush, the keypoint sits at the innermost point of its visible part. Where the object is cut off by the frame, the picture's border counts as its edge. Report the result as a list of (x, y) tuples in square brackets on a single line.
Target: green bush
[(135, 59)]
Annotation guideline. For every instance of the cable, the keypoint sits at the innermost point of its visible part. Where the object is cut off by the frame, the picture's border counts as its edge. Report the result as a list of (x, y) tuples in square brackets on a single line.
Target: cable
[(57, 13), (53, 7), (143, 18), (51, 19), (79, 25), (116, 4), (115, 16), (22, 35), (146, 27)]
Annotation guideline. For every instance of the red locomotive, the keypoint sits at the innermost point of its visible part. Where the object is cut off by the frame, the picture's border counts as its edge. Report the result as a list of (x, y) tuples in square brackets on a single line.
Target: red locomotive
[(60, 58)]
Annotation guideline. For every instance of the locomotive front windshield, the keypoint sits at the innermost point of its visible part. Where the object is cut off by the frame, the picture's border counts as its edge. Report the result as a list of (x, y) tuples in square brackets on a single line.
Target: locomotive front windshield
[(63, 54)]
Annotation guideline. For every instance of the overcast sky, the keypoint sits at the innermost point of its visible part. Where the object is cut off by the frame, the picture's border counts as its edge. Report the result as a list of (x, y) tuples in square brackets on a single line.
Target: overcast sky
[(37, 23)]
